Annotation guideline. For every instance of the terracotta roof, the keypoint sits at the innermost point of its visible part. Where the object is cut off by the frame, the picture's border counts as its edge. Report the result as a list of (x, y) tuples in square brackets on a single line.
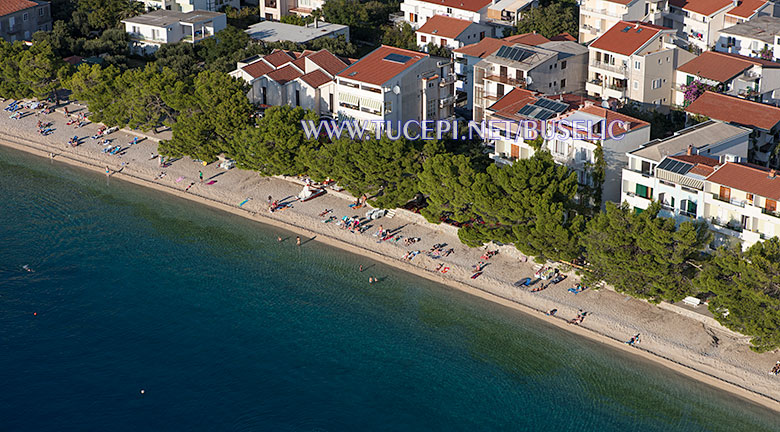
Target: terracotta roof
[(444, 26), (509, 105), (719, 67), (702, 165), (735, 110), (703, 7), (279, 57), (628, 42), (327, 61), (11, 6), (527, 38), (469, 5), (316, 78), (285, 74), (73, 60), (257, 69), (375, 68), (565, 36), (747, 8), (749, 178), (611, 116)]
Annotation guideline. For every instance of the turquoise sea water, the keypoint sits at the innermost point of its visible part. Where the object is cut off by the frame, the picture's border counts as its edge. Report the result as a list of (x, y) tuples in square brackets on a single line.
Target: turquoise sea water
[(225, 329)]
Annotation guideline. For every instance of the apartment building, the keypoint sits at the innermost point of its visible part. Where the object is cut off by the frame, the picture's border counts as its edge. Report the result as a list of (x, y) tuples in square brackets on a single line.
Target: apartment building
[(468, 56), (19, 19), (452, 33), (190, 5), (700, 21), (598, 16), (732, 74), (500, 15), (635, 61), (147, 32), (286, 78), (550, 68), (762, 119), (276, 9), (614, 132), (759, 37), (649, 176), (273, 31), (396, 85)]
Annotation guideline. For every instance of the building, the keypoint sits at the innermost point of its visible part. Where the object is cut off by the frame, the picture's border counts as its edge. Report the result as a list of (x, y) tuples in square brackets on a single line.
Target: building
[(452, 33), (298, 79), (19, 19), (508, 11), (647, 177), (763, 119), (550, 68), (598, 16), (615, 132), (730, 73), (270, 31), (276, 9), (759, 37), (147, 32), (635, 62), (468, 56), (396, 85), (700, 21), (190, 5), (418, 12)]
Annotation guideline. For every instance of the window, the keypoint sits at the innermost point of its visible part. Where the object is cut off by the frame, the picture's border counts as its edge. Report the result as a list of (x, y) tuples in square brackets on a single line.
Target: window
[(647, 168), (297, 98), (750, 198), (563, 65), (330, 101), (725, 193), (25, 16), (688, 207), (388, 107), (636, 85), (518, 74), (643, 191), (637, 65), (41, 11), (771, 205), (443, 42), (481, 35), (563, 83), (499, 90), (423, 38), (449, 10), (656, 83)]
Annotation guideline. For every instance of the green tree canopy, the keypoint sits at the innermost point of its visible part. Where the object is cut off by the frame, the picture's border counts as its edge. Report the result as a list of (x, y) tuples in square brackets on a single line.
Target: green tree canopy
[(400, 36), (643, 254), (747, 291), (551, 20)]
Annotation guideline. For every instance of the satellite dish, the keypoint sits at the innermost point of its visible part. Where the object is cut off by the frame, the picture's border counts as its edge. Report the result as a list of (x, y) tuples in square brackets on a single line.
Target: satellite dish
[(397, 90), (605, 103), (528, 80)]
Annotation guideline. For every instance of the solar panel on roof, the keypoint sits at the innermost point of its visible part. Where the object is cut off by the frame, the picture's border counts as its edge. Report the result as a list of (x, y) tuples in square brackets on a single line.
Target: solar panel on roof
[(398, 58), (514, 53), (526, 110), (536, 112), (552, 105), (675, 166), (502, 51)]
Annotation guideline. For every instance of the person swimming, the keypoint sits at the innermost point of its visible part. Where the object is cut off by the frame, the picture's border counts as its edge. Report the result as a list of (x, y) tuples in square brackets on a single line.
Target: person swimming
[(28, 269)]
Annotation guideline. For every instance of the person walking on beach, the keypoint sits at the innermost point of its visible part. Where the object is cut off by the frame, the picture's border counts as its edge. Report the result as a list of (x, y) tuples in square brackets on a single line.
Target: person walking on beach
[(67, 114), (108, 171), (361, 268), (200, 176), (298, 240)]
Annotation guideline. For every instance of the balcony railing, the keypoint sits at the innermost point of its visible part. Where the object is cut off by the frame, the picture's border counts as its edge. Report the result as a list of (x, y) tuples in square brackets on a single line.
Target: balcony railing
[(731, 201), (612, 68), (770, 213), (449, 100), (447, 80), (506, 80), (601, 12)]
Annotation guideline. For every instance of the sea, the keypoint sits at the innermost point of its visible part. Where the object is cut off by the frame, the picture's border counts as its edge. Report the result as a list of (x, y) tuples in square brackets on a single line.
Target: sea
[(146, 312)]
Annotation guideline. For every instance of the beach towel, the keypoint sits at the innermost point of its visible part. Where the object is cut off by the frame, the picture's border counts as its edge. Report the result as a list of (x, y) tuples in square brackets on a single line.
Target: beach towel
[(179, 179)]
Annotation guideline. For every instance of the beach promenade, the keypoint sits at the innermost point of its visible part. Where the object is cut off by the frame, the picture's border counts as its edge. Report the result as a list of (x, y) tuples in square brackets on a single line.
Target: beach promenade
[(690, 346)]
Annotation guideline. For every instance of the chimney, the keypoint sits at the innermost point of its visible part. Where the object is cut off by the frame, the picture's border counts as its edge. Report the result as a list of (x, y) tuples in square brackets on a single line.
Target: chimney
[(316, 23), (736, 3), (690, 150), (772, 174), (636, 24)]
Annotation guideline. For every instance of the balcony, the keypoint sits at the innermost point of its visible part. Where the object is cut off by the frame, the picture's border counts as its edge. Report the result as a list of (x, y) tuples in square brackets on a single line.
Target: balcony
[(731, 201), (449, 100), (506, 80), (590, 29), (447, 80), (621, 70), (770, 213), (603, 12), (635, 195)]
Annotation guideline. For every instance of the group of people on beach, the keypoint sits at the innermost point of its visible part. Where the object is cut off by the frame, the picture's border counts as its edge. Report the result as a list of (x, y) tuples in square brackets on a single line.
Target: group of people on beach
[(578, 319), (775, 370)]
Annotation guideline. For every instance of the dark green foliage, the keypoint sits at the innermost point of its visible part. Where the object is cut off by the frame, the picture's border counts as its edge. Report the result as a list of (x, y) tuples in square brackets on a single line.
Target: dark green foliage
[(643, 254), (363, 19), (551, 20), (180, 58), (297, 20), (661, 125), (438, 50), (400, 36), (106, 14), (30, 72), (223, 44), (747, 286), (447, 179)]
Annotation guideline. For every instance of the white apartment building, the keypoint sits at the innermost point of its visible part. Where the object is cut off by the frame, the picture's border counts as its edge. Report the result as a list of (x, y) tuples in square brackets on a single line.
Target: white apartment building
[(635, 61), (147, 32), (598, 16), (733, 74), (759, 37), (762, 119), (549, 68), (190, 5), (452, 33), (700, 21), (468, 56), (396, 85), (615, 132), (286, 78), (499, 14), (276, 9)]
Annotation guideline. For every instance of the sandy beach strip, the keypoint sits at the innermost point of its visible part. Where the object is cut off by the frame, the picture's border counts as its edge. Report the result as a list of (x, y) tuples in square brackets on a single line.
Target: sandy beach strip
[(706, 353)]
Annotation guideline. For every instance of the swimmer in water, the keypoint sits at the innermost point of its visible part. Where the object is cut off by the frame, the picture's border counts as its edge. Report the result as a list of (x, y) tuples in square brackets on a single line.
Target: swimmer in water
[(27, 267)]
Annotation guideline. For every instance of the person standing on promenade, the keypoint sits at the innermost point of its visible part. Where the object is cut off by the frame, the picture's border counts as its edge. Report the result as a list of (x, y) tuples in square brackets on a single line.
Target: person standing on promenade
[(200, 176)]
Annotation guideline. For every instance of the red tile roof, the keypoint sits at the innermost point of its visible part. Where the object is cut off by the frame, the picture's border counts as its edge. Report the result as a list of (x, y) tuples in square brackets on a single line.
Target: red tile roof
[(257, 69), (469, 5), (328, 62), (703, 7), (618, 41), (611, 116), (489, 45), (510, 103), (444, 26), (749, 178), (279, 57), (73, 60), (374, 68), (565, 36), (285, 74), (735, 110), (11, 6), (527, 38), (747, 8), (316, 78), (702, 165), (722, 67)]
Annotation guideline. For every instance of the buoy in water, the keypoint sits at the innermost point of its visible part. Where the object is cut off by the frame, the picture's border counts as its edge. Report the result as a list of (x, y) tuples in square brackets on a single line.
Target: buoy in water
[(35, 313), (143, 391)]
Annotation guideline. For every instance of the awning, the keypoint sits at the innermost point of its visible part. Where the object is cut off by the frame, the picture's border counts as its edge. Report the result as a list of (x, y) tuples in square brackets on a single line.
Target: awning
[(348, 98), (371, 104)]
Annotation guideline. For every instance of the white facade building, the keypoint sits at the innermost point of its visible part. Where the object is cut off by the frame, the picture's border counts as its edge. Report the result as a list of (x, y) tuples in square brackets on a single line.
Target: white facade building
[(147, 32), (598, 16), (759, 37), (452, 33), (190, 5)]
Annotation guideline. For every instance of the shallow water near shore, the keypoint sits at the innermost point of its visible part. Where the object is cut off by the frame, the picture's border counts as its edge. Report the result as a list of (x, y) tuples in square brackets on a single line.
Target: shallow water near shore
[(224, 328)]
